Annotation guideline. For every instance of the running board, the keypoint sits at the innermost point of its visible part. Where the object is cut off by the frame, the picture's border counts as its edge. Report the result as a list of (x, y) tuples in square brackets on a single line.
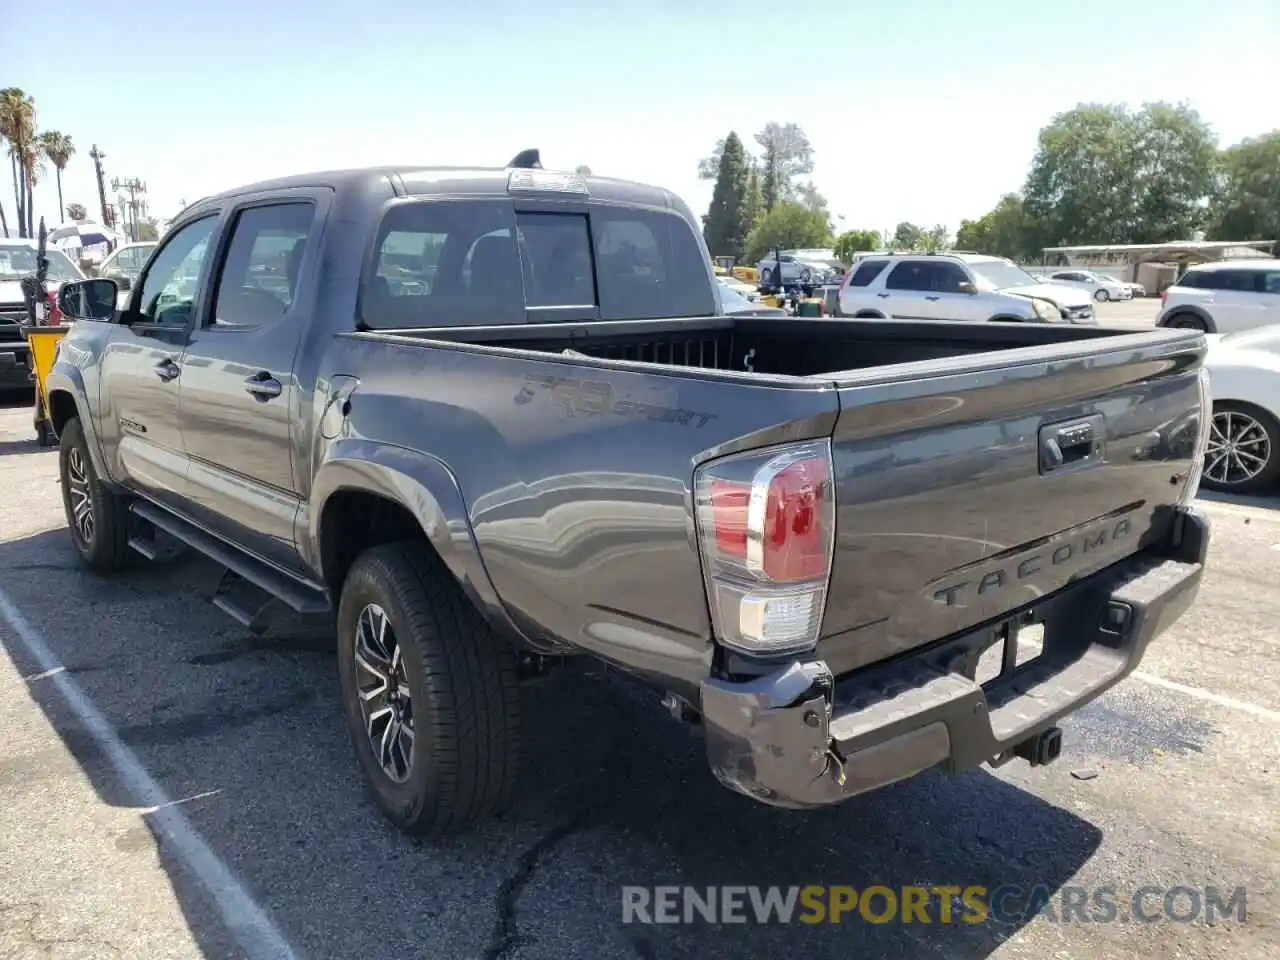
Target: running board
[(299, 597)]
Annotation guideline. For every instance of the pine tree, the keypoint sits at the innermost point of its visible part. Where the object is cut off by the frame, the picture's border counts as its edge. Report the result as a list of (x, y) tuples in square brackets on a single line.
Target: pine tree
[(723, 224), (753, 205)]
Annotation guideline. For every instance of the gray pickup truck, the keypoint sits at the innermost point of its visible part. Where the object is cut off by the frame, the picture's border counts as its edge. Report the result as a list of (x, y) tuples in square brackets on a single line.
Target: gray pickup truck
[(485, 419)]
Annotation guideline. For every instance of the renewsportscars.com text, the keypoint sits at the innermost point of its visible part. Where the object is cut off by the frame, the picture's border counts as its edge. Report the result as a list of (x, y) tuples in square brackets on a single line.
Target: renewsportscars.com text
[(1011, 904)]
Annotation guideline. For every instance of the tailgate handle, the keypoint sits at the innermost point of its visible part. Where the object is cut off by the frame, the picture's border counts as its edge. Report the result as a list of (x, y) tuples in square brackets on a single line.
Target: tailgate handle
[(1071, 444)]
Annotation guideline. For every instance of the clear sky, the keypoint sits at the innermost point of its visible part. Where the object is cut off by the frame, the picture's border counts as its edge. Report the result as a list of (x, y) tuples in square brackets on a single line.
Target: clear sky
[(922, 110)]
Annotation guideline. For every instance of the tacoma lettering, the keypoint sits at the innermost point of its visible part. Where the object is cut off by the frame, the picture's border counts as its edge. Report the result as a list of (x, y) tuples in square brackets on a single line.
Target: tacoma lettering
[(953, 594)]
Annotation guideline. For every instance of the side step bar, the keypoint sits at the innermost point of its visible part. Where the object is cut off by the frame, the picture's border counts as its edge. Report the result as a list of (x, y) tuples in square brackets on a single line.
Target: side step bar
[(298, 596)]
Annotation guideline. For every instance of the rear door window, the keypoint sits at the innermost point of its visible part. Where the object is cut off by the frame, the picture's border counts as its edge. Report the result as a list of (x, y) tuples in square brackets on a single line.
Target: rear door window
[(867, 271), (911, 275)]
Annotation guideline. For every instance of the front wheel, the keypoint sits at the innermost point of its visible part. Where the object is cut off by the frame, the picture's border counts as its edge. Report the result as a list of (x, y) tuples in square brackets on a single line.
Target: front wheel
[(97, 518), (429, 693), (1241, 456), (766, 278)]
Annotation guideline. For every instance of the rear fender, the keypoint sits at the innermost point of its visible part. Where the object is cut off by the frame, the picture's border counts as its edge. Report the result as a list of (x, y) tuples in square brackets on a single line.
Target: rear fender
[(426, 488)]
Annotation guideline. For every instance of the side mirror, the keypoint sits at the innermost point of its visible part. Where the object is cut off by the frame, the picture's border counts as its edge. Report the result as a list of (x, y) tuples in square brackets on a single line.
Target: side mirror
[(88, 300), (966, 286), (123, 283)]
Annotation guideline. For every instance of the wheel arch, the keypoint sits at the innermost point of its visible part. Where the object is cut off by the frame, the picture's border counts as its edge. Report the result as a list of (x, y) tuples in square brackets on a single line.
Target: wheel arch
[(366, 493), (1198, 312), (68, 398)]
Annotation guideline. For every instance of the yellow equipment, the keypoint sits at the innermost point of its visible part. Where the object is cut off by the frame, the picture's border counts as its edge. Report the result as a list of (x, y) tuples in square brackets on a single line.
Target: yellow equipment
[(43, 342)]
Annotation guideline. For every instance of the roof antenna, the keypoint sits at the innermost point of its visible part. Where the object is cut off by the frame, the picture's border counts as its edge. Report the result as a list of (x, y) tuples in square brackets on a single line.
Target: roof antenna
[(527, 160)]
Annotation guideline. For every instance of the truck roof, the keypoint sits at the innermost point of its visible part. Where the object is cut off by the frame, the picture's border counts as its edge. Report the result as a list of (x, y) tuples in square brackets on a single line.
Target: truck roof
[(437, 180)]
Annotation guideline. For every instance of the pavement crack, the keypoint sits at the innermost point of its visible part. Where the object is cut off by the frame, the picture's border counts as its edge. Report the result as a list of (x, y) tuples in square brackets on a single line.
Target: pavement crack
[(506, 929)]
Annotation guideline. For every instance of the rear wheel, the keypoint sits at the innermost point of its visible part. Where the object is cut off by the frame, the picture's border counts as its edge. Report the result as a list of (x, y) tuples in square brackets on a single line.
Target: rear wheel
[(429, 692), (1187, 321), (1101, 295), (1242, 455), (766, 277), (97, 518)]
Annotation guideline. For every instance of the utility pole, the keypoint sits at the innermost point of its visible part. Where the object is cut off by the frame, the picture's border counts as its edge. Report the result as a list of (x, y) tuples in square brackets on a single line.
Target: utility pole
[(136, 189), (98, 157)]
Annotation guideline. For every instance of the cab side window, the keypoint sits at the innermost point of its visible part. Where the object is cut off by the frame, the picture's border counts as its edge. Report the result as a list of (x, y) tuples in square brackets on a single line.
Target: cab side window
[(169, 287)]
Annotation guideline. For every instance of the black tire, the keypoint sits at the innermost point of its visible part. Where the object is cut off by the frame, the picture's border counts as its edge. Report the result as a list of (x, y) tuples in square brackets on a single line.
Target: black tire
[(1265, 441), (868, 315), (463, 709), (1004, 319), (1101, 295), (1186, 321), (805, 275), (102, 542), (44, 437), (766, 277)]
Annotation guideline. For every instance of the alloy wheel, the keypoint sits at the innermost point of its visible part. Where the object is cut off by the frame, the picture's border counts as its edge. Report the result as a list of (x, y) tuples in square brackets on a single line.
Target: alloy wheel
[(382, 685), (1239, 448), (81, 501)]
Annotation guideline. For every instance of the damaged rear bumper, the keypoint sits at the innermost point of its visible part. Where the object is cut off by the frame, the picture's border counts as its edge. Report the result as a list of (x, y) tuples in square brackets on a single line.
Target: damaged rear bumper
[(798, 738)]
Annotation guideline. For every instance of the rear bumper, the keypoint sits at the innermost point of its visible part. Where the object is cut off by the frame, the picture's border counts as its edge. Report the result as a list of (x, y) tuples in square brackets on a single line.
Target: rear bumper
[(798, 738)]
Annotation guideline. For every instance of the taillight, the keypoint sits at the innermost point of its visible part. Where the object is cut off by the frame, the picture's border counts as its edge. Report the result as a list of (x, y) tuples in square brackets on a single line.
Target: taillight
[(766, 528), (1192, 485)]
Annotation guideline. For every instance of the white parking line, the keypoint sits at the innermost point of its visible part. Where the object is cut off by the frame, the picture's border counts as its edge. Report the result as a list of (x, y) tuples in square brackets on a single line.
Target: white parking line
[(246, 921), (1250, 708)]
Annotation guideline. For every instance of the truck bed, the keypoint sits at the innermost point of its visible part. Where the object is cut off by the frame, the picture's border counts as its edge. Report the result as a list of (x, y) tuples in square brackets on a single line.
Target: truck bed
[(773, 346), (946, 515)]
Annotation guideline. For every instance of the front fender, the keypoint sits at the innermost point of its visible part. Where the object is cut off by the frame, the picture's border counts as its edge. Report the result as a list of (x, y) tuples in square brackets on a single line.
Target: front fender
[(66, 380), (424, 486)]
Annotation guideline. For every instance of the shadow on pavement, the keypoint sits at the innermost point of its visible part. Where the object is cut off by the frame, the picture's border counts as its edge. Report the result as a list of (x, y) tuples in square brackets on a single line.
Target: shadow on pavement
[(1266, 501), (615, 793)]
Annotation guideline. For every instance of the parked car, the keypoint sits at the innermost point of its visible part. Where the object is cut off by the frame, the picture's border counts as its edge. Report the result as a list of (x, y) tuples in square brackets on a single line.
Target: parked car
[(735, 304), (744, 290), (18, 260), (795, 268), (1224, 297), (126, 261), (1101, 288), (957, 286), (1243, 454), (796, 531)]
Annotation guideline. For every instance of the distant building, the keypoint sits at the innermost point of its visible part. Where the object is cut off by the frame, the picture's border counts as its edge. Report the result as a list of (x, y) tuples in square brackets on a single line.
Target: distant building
[(1154, 265)]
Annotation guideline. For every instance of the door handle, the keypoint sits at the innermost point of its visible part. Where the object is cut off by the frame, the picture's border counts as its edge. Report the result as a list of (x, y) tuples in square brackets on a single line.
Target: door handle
[(167, 370), (263, 386), (931, 298), (882, 295)]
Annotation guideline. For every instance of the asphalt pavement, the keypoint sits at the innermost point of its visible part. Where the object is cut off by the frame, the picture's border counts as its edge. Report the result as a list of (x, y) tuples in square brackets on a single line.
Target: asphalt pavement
[(171, 787)]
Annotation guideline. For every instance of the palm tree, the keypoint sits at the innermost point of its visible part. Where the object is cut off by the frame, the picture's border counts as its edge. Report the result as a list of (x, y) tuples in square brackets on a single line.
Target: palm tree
[(18, 126), (33, 165), (59, 149)]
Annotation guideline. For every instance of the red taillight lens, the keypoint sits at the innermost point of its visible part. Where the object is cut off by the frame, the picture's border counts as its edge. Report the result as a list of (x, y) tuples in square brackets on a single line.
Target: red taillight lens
[(766, 523), (1163, 297), (795, 545)]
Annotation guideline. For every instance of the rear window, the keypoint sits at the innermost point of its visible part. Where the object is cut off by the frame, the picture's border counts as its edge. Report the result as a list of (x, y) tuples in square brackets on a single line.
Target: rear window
[(1241, 281), (469, 262)]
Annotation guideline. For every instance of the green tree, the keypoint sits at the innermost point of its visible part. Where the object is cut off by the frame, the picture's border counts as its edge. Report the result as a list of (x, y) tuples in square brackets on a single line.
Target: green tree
[(1246, 201), (57, 146), (1004, 231), (18, 129), (723, 224), (907, 236), (76, 211), (855, 241), (1175, 156), (753, 203), (786, 154), (788, 226), (936, 238), (148, 229), (1104, 174)]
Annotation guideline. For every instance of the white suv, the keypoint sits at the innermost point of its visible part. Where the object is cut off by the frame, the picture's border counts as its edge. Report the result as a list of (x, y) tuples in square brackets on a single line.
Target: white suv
[(958, 286), (1224, 297)]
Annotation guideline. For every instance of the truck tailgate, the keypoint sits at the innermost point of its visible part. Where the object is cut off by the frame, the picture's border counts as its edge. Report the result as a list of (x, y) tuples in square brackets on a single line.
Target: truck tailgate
[(995, 479)]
